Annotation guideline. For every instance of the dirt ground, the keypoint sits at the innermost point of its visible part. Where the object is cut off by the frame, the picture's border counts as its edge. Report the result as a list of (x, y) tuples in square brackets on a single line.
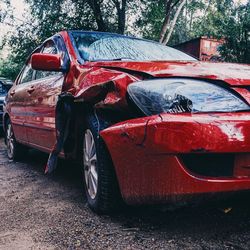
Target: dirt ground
[(41, 212)]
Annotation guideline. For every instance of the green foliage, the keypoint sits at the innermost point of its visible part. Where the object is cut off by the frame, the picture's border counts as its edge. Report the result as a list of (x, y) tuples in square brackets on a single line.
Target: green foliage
[(46, 18), (150, 21), (237, 46), (212, 18), (9, 68), (216, 18)]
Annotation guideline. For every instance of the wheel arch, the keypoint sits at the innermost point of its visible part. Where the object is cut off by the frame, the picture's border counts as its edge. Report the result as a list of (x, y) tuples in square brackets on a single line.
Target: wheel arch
[(80, 124)]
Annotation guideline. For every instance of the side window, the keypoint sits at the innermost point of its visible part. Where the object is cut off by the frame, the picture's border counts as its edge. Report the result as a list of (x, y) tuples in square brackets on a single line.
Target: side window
[(49, 48), (27, 75)]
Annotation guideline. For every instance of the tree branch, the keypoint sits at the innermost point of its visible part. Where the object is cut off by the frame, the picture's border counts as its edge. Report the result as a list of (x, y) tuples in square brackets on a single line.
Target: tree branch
[(174, 22)]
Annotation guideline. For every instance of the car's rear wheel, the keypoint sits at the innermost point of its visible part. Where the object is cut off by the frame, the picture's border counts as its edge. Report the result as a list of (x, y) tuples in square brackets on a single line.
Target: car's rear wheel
[(99, 177), (14, 149)]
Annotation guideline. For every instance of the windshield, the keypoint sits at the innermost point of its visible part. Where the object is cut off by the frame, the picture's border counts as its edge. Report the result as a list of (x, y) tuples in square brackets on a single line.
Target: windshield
[(108, 47)]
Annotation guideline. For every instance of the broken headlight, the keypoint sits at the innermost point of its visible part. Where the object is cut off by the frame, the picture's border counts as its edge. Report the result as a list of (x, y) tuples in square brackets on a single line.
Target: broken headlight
[(176, 95)]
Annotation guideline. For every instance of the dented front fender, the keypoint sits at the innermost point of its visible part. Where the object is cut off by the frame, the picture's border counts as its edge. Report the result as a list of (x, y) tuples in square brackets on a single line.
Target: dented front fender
[(183, 133), (146, 155)]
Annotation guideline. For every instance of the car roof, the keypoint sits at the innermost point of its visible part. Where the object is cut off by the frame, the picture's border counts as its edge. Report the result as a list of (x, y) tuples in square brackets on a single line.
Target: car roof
[(98, 32)]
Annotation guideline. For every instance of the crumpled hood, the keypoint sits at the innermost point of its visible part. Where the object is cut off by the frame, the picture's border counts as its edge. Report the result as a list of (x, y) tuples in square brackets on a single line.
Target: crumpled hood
[(233, 74)]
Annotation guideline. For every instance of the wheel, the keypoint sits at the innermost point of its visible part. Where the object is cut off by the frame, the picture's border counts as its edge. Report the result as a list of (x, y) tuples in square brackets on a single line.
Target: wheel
[(14, 149), (99, 176)]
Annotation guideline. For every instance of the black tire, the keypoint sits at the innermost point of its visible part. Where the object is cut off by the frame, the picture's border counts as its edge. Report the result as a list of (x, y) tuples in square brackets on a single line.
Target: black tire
[(107, 198), (15, 150), (1, 132)]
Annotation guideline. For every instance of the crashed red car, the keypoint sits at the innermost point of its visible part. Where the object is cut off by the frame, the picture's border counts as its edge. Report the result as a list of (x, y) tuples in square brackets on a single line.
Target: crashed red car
[(148, 123)]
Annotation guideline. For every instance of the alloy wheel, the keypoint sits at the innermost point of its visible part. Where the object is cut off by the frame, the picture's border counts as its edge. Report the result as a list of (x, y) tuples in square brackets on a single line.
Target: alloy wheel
[(10, 140), (90, 164)]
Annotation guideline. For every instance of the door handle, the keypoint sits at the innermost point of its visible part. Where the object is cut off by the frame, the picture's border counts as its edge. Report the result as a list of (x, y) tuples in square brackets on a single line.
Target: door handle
[(12, 92), (31, 89)]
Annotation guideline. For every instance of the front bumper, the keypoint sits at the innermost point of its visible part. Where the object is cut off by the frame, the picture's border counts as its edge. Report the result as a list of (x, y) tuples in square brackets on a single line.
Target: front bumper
[(148, 155)]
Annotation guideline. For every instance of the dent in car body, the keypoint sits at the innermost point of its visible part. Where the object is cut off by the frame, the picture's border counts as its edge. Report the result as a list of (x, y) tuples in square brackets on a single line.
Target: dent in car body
[(83, 77), (145, 151), (162, 174)]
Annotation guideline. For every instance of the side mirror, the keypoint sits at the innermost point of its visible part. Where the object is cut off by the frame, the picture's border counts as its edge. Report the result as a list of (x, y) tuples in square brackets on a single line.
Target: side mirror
[(46, 62)]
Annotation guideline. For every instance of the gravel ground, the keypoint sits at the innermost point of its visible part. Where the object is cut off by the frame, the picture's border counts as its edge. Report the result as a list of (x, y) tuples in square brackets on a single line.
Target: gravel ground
[(41, 212)]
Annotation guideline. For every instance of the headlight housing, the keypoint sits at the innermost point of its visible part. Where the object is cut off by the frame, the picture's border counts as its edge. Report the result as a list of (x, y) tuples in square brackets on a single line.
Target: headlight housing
[(177, 95)]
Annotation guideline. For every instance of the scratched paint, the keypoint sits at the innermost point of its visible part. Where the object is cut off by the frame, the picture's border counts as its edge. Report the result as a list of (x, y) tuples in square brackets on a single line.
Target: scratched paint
[(232, 74), (163, 176)]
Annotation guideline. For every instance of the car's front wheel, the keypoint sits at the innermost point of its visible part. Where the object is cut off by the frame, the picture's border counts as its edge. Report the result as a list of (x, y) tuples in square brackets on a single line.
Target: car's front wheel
[(14, 149), (100, 181)]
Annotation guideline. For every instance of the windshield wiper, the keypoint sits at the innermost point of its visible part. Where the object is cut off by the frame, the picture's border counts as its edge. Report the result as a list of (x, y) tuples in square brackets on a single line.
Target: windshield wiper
[(122, 58), (114, 59)]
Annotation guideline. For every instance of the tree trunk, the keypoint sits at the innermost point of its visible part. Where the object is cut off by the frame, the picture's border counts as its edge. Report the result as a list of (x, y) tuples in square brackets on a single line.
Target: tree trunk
[(96, 8), (174, 22), (166, 20), (169, 6), (121, 12)]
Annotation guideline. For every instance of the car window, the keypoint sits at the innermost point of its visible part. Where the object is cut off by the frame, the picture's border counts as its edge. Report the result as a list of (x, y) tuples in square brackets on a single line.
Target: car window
[(49, 48), (27, 75)]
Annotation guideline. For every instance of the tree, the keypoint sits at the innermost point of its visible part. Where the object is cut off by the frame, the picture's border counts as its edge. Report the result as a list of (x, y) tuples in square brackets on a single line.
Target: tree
[(230, 21), (195, 18), (170, 6), (121, 12), (45, 18), (4, 9), (173, 23), (237, 36), (214, 18), (101, 15)]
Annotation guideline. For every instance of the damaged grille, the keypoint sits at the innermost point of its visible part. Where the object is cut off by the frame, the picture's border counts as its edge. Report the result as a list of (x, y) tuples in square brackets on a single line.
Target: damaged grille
[(210, 165)]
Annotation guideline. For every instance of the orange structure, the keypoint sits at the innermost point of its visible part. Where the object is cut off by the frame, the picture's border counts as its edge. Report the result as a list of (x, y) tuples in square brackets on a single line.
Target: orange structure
[(203, 48)]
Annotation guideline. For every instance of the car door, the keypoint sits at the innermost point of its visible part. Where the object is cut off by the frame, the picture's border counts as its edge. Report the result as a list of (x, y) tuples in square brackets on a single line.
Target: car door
[(18, 97), (44, 95)]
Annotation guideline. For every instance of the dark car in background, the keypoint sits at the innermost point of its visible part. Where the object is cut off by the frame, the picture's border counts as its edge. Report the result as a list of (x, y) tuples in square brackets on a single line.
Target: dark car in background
[(5, 85)]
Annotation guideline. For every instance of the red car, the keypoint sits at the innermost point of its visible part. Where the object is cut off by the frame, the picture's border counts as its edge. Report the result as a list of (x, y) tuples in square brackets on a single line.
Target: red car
[(148, 123)]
